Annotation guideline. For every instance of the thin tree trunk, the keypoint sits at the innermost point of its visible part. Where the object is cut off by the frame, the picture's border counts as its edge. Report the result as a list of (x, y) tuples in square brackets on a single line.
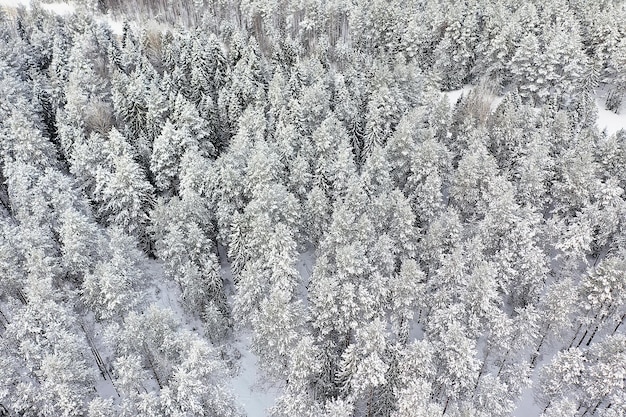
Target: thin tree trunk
[(592, 335), (482, 369), (96, 354), (598, 319), (152, 368), (619, 324), (575, 335), (580, 342), (543, 338), (501, 367), (506, 355), (546, 407), (596, 407), (7, 320), (586, 411), (22, 297), (595, 262), (445, 408)]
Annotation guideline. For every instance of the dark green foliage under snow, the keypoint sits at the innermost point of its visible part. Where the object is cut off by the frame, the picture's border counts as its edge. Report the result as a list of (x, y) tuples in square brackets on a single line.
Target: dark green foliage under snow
[(460, 253)]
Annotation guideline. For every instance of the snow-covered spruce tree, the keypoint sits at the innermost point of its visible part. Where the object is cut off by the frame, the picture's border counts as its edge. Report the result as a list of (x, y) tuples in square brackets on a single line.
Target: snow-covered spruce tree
[(86, 91), (376, 26), (333, 158), (311, 107), (266, 288), (561, 378), (454, 55), (363, 368), (22, 141), (80, 242), (246, 85), (472, 181), (601, 298), (196, 386), (527, 72), (186, 118), (121, 190), (400, 147), (45, 365), (228, 191), (617, 75), (168, 149), (564, 61), (429, 166), (129, 93), (117, 284), (344, 269), (496, 44), (457, 366), (153, 348)]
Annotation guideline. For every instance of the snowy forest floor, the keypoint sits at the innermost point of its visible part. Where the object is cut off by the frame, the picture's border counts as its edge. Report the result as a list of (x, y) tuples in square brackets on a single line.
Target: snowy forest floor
[(253, 392)]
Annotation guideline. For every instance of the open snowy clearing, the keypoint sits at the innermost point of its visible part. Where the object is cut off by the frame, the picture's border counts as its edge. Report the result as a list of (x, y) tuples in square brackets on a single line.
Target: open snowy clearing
[(608, 121), (252, 392)]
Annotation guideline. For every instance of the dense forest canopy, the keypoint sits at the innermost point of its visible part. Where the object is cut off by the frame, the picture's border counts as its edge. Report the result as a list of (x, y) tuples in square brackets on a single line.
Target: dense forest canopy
[(162, 188)]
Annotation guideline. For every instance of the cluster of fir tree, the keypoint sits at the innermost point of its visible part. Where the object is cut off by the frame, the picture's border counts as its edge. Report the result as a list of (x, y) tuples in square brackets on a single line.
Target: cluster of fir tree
[(454, 247), (559, 49)]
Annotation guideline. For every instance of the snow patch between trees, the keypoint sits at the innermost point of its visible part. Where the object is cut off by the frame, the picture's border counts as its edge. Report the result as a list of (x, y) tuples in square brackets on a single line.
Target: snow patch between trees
[(608, 121), (252, 392)]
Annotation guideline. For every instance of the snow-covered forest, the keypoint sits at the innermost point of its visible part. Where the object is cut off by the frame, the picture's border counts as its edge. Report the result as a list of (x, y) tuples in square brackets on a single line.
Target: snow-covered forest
[(313, 208)]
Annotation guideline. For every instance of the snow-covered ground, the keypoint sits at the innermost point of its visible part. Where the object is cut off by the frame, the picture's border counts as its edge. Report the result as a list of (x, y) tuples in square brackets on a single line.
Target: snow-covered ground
[(115, 25), (607, 120), (59, 8), (253, 393), (453, 96), (526, 406)]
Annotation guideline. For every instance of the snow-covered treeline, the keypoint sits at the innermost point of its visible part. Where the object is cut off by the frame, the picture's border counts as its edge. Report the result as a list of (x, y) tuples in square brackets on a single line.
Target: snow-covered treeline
[(290, 174)]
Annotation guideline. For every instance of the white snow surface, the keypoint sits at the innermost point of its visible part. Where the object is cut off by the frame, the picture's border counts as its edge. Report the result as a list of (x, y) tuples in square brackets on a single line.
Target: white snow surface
[(607, 120), (526, 406), (305, 268), (453, 96), (59, 8), (254, 393), (117, 27)]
